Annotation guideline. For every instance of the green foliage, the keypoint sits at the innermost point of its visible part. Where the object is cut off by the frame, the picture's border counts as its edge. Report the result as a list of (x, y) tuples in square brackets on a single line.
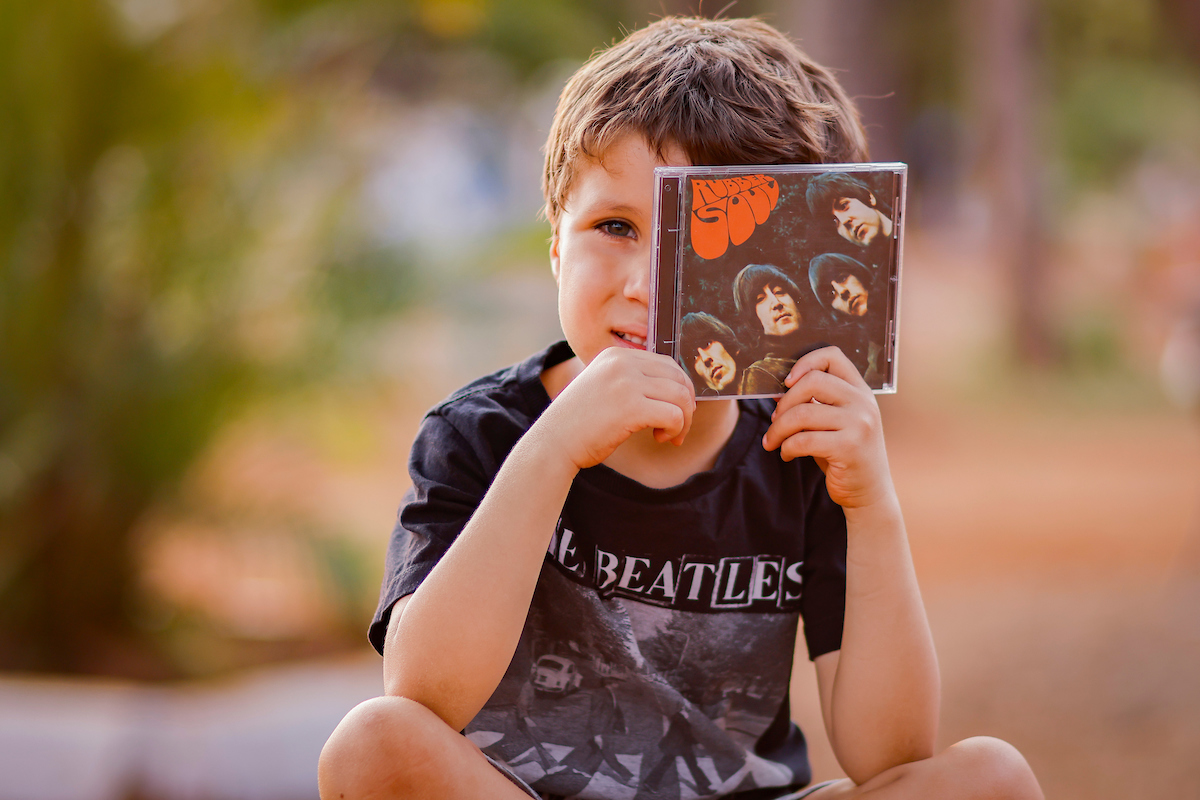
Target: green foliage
[(165, 213), (1111, 114), (178, 242), (926, 37), (1121, 84), (529, 33)]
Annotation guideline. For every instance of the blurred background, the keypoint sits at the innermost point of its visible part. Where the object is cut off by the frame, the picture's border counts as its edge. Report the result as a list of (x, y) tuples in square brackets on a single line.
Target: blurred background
[(244, 244)]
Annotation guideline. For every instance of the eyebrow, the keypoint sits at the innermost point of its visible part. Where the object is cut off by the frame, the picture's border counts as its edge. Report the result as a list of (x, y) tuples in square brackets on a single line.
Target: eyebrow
[(610, 206)]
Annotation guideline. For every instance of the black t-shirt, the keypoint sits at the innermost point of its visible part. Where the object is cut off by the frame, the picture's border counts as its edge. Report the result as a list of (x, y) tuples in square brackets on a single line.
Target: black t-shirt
[(657, 653)]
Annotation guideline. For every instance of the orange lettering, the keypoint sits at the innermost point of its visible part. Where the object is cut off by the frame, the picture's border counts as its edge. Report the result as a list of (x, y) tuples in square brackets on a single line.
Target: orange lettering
[(728, 210)]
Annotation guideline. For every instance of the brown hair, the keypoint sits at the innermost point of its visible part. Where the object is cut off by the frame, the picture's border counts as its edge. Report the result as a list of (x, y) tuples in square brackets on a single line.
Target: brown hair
[(726, 91)]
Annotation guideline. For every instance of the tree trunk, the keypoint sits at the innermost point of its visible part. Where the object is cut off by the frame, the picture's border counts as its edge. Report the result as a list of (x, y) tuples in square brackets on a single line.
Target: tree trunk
[(854, 38), (1005, 97)]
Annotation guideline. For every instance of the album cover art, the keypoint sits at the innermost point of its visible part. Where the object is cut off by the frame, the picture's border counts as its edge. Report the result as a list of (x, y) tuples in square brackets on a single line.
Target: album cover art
[(756, 266)]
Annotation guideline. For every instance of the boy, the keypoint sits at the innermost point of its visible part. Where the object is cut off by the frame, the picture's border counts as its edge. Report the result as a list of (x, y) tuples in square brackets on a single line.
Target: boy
[(583, 506)]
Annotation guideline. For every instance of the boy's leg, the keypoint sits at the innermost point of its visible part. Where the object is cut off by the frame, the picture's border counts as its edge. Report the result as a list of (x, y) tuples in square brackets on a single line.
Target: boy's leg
[(981, 768), (394, 747)]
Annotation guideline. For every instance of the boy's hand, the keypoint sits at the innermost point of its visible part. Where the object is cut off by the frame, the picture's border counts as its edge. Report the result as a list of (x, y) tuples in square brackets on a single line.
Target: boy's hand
[(621, 392), (830, 413)]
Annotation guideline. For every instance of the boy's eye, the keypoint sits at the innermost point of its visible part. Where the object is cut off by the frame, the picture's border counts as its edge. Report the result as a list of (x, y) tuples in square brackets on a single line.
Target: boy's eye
[(616, 227), (841, 204)]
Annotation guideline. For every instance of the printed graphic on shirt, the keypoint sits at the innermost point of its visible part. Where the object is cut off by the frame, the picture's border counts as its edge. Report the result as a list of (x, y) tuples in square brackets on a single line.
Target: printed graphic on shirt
[(688, 583), (610, 698)]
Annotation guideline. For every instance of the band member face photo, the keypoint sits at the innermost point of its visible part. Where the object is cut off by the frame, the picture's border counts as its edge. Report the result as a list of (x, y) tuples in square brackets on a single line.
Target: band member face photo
[(841, 284), (776, 310), (858, 222), (858, 216), (715, 365), (849, 296)]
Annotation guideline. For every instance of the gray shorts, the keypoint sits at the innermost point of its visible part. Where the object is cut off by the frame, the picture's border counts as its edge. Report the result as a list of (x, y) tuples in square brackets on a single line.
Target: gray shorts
[(506, 772)]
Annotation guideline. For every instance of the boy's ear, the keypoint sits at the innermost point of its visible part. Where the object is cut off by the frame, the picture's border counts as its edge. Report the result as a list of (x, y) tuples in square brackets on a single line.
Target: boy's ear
[(554, 255), (872, 196)]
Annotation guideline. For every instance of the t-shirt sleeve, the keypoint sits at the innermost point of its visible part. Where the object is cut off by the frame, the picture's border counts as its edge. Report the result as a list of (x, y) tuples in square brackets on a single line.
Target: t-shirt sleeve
[(823, 601), (448, 483)]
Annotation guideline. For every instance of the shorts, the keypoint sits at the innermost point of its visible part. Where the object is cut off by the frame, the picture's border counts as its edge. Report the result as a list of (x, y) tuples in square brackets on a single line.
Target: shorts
[(506, 772)]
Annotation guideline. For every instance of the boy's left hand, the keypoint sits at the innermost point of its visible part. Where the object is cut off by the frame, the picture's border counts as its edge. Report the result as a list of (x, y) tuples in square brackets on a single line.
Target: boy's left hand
[(842, 429)]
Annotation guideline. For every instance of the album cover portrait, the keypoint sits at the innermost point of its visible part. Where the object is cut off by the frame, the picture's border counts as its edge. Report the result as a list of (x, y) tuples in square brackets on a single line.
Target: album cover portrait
[(756, 266)]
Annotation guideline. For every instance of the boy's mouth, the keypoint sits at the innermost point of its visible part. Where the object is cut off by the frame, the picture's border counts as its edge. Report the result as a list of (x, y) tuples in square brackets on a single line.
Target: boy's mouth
[(636, 341)]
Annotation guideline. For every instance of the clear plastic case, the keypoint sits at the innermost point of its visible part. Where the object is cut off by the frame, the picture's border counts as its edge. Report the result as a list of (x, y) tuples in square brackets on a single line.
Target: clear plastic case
[(756, 265)]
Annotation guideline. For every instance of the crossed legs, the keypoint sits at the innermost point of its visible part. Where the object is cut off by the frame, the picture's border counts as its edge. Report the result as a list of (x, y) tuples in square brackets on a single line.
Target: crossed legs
[(981, 768), (392, 747), (395, 748)]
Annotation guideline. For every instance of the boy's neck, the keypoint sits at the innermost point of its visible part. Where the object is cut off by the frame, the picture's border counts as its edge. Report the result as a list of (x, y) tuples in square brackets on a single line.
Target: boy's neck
[(654, 464)]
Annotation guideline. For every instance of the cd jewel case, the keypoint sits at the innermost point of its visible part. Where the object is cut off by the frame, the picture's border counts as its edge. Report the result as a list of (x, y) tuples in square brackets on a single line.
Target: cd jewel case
[(754, 266)]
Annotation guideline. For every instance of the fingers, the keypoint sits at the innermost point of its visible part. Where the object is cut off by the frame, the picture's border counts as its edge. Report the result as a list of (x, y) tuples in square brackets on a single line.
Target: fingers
[(827, 359), (677, 397), (821, 387), (616, 363), (668, 409), (826, 395), (624, 391), (670, 397), (806, 417), (676, 424), (821, 445)]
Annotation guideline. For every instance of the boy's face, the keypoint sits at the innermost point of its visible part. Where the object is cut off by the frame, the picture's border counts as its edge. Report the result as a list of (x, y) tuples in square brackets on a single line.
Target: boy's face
[(849, 296), (715, 365), (600, 251), (857, 221), (776, 310)]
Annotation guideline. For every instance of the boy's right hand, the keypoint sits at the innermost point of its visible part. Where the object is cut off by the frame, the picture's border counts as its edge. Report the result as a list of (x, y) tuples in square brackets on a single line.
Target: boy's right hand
[(622, 391)]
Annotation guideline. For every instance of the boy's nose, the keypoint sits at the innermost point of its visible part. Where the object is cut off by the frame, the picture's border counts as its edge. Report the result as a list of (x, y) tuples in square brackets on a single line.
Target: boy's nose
[(637, 286)]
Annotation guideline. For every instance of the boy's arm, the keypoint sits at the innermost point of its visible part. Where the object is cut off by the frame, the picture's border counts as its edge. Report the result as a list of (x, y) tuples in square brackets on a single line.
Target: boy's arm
[(451, 641), (880, 693)]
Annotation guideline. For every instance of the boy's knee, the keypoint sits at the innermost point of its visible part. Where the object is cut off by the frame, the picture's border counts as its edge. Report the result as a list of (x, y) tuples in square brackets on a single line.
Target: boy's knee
[(380, 744), (995, 768)]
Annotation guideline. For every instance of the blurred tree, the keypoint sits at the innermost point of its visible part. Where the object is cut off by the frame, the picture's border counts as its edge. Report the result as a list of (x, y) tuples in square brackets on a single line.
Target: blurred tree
[(1124, 81), (1183, 18), (1007, 101), (178, 240), (163, 206), (858, 40), (1095, 86)]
